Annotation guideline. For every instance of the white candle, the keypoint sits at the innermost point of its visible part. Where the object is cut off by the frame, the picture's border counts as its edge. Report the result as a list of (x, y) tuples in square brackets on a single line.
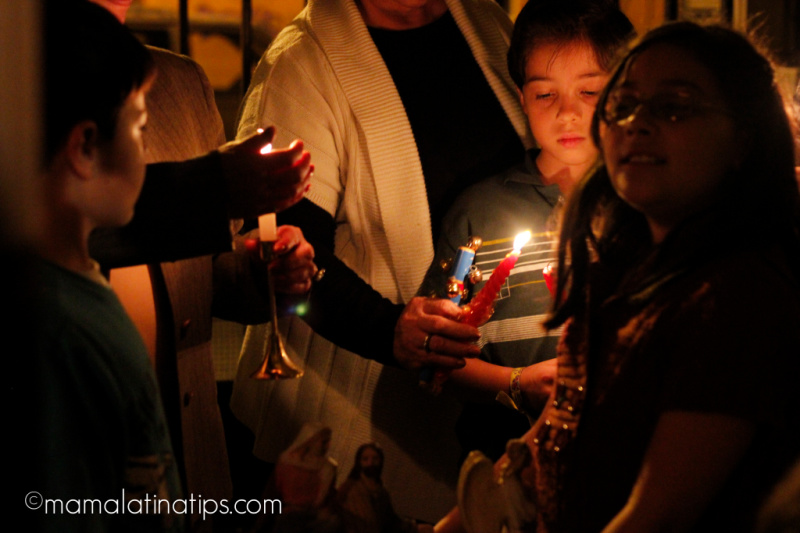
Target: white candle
[(267, 228)]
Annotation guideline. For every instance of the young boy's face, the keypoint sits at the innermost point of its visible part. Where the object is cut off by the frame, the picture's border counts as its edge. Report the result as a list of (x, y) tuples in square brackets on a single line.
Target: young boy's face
[(122, 161), (562, 84)]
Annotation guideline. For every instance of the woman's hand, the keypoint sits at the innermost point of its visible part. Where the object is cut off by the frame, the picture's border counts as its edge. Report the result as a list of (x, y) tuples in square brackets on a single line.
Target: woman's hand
[(259, 181), (428, 334), (293, 266)]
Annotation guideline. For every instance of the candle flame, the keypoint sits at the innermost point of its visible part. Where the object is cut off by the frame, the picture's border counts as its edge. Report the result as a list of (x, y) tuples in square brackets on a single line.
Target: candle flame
[(267, 148), (521, 240)]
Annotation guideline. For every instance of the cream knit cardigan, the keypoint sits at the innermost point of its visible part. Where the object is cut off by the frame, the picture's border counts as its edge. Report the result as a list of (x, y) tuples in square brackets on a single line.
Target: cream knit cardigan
[(324, 81)]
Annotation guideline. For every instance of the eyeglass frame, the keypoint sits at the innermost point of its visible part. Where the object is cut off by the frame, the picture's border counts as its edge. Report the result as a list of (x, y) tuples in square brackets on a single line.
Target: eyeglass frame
[(695, 107)]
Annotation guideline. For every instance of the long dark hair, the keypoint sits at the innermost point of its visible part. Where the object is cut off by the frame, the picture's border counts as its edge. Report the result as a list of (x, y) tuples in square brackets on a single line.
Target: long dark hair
[(760, 198)]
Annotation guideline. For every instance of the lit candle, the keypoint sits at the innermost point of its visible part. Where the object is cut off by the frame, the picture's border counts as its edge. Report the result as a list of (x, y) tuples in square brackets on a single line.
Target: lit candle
[(479, 310), (549, 279), (267, 148)]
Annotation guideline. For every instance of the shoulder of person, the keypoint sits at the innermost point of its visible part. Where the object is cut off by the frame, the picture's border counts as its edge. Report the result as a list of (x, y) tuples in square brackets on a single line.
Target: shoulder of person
[(168, 60), (296, 38)]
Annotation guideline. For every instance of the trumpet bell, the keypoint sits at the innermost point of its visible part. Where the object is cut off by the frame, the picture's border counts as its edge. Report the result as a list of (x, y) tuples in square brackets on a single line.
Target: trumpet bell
[(277, 363)]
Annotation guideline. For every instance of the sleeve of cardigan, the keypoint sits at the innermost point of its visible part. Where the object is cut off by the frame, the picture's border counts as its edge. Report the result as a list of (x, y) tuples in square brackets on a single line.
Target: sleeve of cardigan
[(181, 213), (295, 89), (343, 308)]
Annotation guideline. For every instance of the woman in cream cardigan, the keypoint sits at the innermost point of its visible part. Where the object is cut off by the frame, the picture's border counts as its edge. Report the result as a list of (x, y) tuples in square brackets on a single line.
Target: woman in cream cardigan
[(401, 107)]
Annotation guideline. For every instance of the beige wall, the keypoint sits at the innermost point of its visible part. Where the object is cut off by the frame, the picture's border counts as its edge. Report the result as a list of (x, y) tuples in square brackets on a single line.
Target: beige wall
[(19, 120), (219, 56), (644, 14), (274, 14)]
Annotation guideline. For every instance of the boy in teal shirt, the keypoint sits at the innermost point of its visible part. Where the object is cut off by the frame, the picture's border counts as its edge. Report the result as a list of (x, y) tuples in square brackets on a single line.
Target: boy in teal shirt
[(98, 431)]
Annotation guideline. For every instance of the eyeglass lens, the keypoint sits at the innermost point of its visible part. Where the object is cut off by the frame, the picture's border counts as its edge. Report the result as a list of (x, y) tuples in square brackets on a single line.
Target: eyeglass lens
[(672, 107)]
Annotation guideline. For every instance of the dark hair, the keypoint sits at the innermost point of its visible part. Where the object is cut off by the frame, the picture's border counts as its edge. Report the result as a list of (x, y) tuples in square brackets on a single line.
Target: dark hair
[(597, 22), (760, 198), (355, 472), (92, 63)]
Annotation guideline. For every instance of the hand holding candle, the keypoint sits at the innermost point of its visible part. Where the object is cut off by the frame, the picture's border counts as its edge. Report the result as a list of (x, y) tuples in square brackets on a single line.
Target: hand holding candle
[(459, 270), (292, 264), (277, 363), (479, 310)]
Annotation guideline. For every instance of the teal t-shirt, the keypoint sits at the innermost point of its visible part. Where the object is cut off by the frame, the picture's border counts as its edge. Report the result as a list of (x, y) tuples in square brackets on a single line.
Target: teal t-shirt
[(99, 442)]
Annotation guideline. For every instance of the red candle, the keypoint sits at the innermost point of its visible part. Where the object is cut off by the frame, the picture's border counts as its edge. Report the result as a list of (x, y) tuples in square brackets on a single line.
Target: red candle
[(549, 279), (480, 309)]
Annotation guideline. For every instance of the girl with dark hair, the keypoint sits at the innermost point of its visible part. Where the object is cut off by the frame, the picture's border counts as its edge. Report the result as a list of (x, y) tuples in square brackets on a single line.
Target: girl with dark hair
[(678, 273)]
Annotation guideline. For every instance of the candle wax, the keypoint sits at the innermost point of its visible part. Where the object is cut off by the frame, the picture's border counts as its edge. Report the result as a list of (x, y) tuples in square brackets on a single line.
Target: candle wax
[(549, 279), (479, 310), (267, 228)]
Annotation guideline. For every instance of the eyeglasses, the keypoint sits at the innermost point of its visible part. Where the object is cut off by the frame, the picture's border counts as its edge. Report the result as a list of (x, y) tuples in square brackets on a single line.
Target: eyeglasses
[(621, 108)]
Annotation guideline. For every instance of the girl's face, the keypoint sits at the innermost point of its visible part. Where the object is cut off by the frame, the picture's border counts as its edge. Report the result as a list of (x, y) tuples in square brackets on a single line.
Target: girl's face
[(667, 138)]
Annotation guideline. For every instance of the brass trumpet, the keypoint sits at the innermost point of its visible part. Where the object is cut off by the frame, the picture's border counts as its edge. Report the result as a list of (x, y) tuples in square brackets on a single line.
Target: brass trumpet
[(277, 363)]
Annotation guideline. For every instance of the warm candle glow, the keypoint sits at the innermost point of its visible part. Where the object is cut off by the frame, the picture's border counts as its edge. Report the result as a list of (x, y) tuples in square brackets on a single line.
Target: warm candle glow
[(521, 240), (267, 148), (480, 309)]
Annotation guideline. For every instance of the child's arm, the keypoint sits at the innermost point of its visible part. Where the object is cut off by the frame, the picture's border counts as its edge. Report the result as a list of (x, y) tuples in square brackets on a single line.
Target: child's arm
[(481, 381)]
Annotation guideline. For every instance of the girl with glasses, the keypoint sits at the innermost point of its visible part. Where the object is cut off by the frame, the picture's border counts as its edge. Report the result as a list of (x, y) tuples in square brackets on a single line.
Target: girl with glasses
[(675, 406)]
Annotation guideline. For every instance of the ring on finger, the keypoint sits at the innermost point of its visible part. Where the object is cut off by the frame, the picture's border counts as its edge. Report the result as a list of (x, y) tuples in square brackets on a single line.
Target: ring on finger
[(426, 344)]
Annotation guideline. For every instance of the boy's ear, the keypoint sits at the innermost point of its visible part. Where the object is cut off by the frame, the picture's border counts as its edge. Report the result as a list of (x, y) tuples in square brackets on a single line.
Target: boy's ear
[(521, 97), (81, 148)]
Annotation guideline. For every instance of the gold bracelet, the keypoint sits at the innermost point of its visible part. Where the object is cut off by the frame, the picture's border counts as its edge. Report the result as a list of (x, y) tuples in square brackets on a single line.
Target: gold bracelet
[(514, 388)]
